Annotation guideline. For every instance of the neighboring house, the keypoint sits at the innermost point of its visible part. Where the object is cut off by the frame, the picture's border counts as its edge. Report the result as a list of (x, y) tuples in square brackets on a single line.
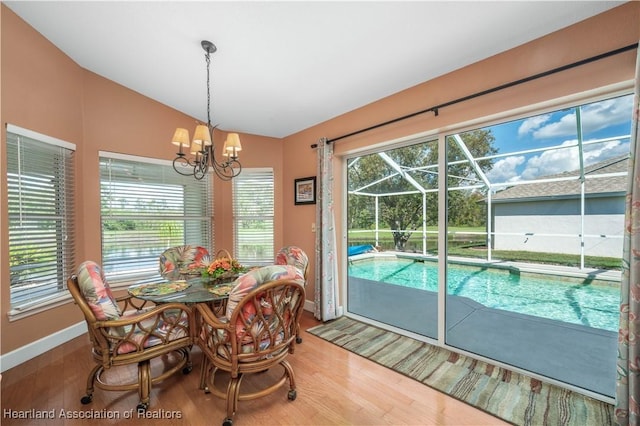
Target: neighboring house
[(546, 216)]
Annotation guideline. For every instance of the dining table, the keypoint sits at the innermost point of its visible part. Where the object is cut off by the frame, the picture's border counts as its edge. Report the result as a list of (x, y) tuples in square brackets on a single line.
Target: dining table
[(183, 288)]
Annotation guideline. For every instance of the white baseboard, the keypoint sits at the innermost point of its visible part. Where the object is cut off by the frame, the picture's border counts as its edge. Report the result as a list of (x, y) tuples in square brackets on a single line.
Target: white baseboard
[(309, 305), (32, 350)]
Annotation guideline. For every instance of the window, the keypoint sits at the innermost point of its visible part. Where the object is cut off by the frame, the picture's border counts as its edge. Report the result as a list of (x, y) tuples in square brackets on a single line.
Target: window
[(147, 207), (40, 186), (253, 198)]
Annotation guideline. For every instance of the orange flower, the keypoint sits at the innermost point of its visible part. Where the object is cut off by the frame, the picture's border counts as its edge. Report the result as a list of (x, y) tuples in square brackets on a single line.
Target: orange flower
[(223, 265)]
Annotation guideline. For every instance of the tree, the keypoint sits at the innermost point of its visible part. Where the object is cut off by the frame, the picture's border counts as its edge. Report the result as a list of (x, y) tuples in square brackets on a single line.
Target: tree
[(401, 176)]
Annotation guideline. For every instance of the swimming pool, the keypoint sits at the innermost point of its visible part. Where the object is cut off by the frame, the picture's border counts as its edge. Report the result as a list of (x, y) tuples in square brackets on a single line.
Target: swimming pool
[(576, 301)]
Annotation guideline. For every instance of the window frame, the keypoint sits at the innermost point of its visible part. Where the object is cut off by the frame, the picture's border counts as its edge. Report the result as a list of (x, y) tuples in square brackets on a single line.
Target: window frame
[(171, 179), (240, 214), (64, 198)]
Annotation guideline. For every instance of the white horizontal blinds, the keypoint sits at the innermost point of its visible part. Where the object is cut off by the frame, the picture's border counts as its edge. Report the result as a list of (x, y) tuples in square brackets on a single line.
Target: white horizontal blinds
[(40, 186), (253, 211), (147, 207)]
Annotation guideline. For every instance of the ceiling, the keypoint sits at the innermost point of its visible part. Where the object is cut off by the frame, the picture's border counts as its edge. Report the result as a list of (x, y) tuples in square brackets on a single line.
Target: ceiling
[(282, 67)]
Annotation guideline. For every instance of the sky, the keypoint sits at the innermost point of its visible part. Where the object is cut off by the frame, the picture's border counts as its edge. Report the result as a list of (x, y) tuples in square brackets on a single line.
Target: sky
[(600, 120)]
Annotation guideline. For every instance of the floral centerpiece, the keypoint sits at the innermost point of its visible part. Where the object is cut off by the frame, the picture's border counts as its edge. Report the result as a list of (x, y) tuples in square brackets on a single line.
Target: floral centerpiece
[(223, 268)]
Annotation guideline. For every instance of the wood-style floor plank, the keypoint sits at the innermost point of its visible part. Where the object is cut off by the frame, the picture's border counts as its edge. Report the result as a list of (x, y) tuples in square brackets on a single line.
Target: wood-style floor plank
[(334, 387)]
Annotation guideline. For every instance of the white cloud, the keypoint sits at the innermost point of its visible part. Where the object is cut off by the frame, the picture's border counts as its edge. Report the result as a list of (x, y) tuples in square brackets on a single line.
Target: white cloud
[(531, 124), (567, 160), (552, 162), (602, 151), (504, 170), (606, 113), (595, 116), (564, 127)]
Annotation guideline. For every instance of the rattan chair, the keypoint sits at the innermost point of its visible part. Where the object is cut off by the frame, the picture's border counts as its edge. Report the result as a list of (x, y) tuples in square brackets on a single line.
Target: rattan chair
[(123, 333), (295, 256), (183, 260), (257, 333)]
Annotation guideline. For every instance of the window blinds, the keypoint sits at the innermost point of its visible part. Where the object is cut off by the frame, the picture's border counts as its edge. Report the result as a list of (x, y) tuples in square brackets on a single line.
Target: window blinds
[(40, 185), (147, 207), (253, 211)]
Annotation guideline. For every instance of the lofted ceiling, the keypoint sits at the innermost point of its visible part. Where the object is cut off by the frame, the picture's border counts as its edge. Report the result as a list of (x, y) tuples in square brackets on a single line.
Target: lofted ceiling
[(282, 67)]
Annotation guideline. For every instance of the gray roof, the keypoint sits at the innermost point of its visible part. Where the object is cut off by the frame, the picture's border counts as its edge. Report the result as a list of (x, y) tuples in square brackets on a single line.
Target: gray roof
[(571, 188)]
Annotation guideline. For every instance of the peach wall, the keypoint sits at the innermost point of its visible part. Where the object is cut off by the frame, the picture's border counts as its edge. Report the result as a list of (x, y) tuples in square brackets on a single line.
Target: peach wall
[(614, 29), (41, 91), (45, 91)]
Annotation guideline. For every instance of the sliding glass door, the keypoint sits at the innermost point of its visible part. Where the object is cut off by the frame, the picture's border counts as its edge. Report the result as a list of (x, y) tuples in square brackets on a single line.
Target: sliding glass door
[(392, 237), (531, 229), (537, 284)]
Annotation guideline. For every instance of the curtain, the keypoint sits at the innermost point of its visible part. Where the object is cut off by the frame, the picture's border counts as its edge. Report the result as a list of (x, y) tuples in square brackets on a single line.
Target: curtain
[(627, 409), (326, 279)]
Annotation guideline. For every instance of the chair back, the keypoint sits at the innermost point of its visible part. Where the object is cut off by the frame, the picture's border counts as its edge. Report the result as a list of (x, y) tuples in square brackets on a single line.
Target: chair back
[(295, 256), (260, 324), (183, 260), (265, 321), (91, 292)]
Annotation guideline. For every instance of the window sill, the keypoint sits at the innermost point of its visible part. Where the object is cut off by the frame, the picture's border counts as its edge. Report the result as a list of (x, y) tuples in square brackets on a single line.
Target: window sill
[(33, 308)]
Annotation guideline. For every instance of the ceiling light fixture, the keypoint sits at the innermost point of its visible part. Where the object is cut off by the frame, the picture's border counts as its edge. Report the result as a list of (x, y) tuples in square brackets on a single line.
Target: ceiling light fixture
[(202, 147)]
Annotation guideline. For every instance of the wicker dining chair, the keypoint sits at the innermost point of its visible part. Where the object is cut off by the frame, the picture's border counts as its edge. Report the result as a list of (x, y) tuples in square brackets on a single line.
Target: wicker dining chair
[(123, 333), (185, 260), (257, 333), (295, 256)]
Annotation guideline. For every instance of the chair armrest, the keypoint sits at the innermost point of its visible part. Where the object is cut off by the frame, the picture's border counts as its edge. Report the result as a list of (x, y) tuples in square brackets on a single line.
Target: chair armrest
[(159, 325), (213, 335), (209, 317), (129, 302), (132, 319)]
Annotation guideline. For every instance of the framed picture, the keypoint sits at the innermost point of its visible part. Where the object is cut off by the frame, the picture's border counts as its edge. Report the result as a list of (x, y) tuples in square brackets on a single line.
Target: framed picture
[(305, 190)]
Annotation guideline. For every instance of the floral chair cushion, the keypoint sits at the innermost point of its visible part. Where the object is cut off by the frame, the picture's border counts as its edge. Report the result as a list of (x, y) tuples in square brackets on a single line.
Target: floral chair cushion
[(252, 279), (96, 291), (292, 255), (184, 259)]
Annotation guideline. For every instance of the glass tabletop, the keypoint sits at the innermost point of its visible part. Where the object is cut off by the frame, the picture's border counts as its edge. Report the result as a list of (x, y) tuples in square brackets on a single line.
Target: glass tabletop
[(182, 289)]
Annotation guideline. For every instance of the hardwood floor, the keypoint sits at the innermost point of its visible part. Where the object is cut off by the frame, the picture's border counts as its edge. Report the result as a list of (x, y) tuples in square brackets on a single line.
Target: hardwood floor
[(334, 387)]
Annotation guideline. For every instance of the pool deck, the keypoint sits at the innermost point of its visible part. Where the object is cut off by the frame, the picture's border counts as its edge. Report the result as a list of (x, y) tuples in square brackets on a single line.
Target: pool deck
[(581, 356)]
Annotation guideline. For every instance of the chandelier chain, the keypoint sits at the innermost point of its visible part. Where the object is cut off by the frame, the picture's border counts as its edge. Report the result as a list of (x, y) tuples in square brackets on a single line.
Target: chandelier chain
[(208, 59)]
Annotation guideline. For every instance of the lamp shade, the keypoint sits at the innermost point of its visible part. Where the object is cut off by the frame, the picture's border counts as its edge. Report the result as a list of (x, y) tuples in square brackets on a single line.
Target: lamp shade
[(181, 137), (202, 136), (232, 145)]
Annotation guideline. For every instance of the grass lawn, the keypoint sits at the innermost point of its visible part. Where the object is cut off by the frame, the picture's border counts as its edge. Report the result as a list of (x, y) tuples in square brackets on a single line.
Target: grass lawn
[(462, 241)]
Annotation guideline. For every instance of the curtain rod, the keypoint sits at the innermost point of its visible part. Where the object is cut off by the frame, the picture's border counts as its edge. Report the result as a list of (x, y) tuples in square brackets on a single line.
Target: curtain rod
[(436, 108)]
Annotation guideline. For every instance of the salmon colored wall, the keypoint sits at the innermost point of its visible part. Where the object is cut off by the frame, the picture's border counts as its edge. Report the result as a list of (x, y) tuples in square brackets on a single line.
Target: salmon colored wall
[(41, 91), (45, 91), (611, 30)]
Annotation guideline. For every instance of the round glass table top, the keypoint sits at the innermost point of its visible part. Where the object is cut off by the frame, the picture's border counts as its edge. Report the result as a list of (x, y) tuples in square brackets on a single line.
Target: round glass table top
[(181, 289)]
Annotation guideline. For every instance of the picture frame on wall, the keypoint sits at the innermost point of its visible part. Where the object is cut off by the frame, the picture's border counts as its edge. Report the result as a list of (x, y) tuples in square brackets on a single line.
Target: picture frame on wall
[(305, 190)]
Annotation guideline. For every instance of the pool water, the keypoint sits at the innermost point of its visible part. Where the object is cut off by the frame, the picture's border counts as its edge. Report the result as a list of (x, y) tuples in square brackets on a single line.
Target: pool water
[(559, 298)]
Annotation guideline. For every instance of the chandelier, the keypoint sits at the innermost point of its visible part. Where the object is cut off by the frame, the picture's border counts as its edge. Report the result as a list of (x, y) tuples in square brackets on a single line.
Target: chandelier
[(202, 147)]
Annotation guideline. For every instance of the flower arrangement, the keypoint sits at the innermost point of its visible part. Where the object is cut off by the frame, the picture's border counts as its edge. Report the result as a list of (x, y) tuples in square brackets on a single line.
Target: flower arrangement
[(223, 267)]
